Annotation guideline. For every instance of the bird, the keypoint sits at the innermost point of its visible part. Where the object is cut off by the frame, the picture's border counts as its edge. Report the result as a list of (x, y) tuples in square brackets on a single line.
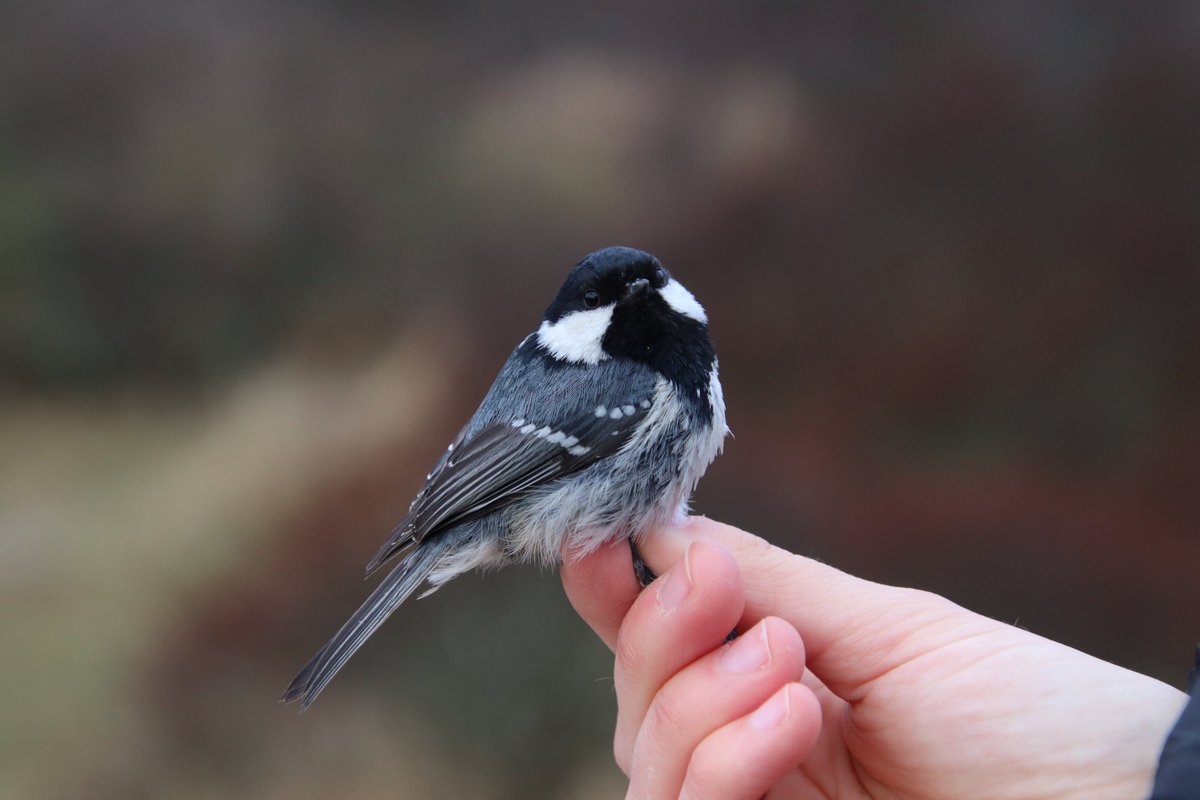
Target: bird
[(597, 428)]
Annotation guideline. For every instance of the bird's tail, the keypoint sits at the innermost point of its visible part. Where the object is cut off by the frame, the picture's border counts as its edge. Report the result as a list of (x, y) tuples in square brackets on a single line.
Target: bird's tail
[(387, 597)]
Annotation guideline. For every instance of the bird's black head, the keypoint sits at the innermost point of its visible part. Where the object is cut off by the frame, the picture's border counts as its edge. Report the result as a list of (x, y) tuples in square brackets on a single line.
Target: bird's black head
[(621, 303)]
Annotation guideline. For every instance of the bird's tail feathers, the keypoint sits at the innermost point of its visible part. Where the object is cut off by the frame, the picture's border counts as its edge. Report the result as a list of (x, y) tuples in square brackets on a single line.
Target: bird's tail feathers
[(401, 582)]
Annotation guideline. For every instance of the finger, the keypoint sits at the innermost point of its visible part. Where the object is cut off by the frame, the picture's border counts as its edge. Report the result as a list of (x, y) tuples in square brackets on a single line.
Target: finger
[(746, 758), (853, 629), (684, 614), (716, 690), (601, 586)]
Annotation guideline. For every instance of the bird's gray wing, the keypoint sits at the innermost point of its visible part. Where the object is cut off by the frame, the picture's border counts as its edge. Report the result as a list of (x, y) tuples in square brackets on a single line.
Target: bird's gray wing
[(502, 462), (479, 473)]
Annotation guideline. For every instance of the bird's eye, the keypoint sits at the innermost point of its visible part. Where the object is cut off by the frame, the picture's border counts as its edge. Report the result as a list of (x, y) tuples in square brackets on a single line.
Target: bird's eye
[(591, 298), (660, 277)]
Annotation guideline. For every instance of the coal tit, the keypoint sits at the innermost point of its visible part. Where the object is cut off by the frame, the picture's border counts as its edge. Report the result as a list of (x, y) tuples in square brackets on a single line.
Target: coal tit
[(597, 428)]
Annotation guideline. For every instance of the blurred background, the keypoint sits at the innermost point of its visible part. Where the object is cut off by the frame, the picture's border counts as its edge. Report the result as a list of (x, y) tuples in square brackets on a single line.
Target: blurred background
[(259, 260)]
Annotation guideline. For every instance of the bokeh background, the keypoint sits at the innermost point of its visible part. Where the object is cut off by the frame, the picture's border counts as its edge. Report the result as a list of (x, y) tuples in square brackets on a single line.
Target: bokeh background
[(259, 260)]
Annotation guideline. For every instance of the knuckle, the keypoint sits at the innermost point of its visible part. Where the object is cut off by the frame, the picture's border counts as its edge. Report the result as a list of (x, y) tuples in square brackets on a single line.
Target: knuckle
[(756, 545), (922, 600), (758, 551), (667, 718)]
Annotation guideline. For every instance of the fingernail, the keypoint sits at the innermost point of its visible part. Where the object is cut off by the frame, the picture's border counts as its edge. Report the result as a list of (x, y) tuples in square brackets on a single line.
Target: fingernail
[(773, 712), (748, 652), (678, 584)]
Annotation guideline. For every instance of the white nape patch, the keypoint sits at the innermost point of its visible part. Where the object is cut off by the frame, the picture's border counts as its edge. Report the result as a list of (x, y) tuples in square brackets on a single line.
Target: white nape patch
[(577, 336), (682, 301)]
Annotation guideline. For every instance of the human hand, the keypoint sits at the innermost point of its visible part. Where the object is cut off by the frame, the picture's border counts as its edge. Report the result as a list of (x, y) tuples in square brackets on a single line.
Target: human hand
[(905, 695)]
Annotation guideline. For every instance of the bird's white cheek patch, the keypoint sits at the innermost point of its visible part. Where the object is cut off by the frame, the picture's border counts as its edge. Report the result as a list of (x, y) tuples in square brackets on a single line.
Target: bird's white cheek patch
[(682, 301), (577, 336)]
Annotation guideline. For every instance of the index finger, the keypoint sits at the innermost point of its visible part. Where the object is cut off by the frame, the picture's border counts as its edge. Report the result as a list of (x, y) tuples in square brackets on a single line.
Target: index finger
[(854, 630), (601, 586)]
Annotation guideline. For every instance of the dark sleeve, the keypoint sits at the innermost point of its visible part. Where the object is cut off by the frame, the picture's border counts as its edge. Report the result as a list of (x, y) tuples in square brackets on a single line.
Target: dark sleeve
[(1178, 776)]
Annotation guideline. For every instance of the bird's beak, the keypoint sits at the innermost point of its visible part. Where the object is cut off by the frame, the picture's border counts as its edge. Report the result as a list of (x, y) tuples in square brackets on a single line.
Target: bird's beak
[(635, 289)]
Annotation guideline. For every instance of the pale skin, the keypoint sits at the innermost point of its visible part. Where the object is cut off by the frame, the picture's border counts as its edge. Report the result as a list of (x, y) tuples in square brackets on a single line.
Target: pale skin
[(842, 688)]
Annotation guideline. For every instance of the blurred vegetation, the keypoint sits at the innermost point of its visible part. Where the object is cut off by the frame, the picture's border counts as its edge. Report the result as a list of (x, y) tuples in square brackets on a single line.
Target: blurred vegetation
[(259, 260)]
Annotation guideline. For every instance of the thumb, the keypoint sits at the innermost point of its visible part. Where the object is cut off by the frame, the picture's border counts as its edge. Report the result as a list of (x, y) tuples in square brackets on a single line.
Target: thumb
[(853, 629)]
